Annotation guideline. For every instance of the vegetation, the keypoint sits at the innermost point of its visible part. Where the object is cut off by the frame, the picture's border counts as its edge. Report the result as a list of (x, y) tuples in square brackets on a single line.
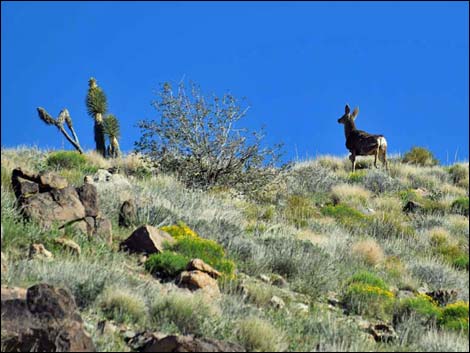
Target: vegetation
[(332, 236), (420, 156), (199, 139), (97, 105)]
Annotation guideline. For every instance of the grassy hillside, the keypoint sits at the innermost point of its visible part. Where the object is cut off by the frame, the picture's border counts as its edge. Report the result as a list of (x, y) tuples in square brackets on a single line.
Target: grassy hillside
[(334, 236)]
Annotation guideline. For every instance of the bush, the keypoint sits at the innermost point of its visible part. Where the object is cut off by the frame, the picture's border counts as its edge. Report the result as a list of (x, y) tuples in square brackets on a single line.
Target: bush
[(66, 160), (166, 264), (368, 300), (260, 336), (198, 139), (182, 313), (420, 156), (458, 173), (455, 316), (461, 262), (190, 246), (421, 307), (365, 277), (299, 210), (368, 251), (460, 206), (123, 306)]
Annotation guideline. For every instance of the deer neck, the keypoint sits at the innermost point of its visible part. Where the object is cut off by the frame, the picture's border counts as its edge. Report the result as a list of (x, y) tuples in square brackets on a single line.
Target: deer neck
[(349, 127)]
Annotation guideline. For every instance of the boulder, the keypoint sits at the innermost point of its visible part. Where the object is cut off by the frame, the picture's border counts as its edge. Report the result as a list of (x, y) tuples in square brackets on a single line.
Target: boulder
[(174, 343), (199, 265), (195, 280), (412, 207), (277, 302), (279, 281), (146, 239), (127, 214), (44, 319), (11, 293), (38, 251), (48, 199), (89, 198), (69, 245)]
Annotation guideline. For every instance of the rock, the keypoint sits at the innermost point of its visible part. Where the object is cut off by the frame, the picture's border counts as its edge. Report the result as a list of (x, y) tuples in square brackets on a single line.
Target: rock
[(89, 198), (278, 281), (146, 239), (195, 280), (141, 339), (11, 293), (38, 251), (277, 302), (412, 207), (127, 214), (382, 333), (199, 265), (52, 181), (69, 245), (264, 278), (175, 343), (44, 320), (103, 177), (300, 307), (443, 296), (103, 229), (105, 327)]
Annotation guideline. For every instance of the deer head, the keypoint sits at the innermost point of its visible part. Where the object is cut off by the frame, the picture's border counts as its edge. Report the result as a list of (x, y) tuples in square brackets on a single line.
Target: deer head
[(348, 117)]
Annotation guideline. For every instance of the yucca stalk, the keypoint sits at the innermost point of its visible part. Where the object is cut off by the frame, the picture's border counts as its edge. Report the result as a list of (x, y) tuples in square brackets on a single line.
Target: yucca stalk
[(97, 105), (112, 130), (59, 123)]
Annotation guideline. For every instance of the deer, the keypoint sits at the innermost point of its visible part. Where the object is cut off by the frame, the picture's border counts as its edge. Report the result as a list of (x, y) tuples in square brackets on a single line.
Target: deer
[(361, 143)]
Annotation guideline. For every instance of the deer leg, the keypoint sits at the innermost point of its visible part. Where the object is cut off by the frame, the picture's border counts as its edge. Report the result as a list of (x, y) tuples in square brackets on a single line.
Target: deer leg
[(383, 159), (352, 158), (375, 159)]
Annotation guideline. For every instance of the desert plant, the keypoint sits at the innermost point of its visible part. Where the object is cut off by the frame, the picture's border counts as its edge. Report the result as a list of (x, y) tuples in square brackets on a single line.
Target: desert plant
[(64, 116), (198, 139), (112, 130), (66, 160), (166, 264), (123, 306), (455, 316), (97, 105), (421, 307), (259, 335), (460, 206), (420, 156)]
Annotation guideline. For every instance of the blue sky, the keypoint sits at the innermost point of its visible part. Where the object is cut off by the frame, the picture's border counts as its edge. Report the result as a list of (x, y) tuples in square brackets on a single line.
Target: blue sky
[(404, 64)]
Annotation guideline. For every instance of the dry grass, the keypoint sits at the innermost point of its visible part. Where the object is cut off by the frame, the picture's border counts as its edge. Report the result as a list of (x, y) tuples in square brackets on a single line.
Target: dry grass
[(259, 335), (97, 160), (351, 195), (439, 236), (368, 251)]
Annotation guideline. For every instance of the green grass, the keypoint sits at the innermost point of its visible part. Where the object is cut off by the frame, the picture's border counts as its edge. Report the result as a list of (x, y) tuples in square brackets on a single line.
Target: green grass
[(166, 264)]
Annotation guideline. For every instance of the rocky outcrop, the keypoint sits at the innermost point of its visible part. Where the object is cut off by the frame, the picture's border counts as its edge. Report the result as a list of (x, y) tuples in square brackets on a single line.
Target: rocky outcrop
[(147, 239), (44, 319), (48, 199), (199, 265), (127, 214), (175, 343)]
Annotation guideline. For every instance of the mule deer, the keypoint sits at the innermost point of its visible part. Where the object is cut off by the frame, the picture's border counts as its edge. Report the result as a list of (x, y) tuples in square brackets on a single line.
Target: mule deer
[(361, 143)]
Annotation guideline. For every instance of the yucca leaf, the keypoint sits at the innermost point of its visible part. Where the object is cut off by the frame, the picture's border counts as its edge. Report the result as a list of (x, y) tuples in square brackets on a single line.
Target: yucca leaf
[(111, 126)]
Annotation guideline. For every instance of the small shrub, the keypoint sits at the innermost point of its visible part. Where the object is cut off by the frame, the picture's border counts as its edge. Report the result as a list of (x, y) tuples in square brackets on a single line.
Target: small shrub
[(180, 231), (386, 225), (166, 264), (460, 206), (66, 160), (368, 251), (183, 313), (461, 262), (458, 173), (455, 316), (357, 176), (123, 306), (352, 195), (299, 210), (366, 277), (260, 336), (368, 300), (420, 156), (421, 307), (343, 213)]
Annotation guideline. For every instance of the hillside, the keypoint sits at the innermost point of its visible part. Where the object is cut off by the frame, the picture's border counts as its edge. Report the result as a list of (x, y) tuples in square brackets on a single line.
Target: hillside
[(320, 259)]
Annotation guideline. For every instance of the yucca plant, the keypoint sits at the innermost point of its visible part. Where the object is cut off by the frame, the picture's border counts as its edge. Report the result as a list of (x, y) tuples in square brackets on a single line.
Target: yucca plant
[(97, 105), (111, 129), (64, 116)]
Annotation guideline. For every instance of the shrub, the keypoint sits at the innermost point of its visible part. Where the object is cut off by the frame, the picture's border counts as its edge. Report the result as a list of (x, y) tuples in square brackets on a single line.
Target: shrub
[(368, 300), (420, 156), (183, 313), (343, 213), (458, 173), (179, 231), (422, 307), (366, 277), (368, 251), (357, 176), (66, 160), (461, 262), (460, 206), (198, 138), (353, 195), (123, 306), (299, 210), (259, 335), (166, 264), (455, 316)]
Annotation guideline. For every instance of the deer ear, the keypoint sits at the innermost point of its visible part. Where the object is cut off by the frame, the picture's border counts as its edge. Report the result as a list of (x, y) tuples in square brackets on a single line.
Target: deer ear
[(355, 112), (347, 109)]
